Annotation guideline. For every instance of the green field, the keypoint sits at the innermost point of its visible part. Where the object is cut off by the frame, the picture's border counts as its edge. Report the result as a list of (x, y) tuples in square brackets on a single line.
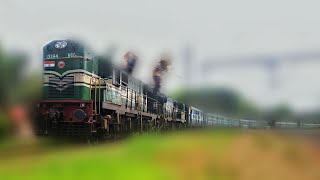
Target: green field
[(209, 154)]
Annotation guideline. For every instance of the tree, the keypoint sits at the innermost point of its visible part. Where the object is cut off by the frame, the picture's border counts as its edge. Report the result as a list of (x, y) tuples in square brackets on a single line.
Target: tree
[(281, 112), (219, 100), (13, 108)]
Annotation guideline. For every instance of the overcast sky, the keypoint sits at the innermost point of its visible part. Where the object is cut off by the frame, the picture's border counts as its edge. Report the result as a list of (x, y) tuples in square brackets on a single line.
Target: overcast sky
[(213, 28)]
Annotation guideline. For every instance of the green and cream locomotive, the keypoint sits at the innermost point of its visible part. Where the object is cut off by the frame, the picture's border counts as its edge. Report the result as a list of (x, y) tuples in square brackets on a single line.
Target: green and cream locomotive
[(86, 95)]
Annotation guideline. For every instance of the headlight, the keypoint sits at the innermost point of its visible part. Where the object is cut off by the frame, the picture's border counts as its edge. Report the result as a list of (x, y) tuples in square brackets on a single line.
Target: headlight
[(79, 115), (57, 45), (60, 44)]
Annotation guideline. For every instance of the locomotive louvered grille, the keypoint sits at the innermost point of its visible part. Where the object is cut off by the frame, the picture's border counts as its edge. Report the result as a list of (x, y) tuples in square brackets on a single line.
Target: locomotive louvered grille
[(61, 88), (69, 129)]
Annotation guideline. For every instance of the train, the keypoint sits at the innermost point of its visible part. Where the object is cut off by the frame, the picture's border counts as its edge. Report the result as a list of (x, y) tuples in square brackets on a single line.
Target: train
[(294, 125), (85, 95)]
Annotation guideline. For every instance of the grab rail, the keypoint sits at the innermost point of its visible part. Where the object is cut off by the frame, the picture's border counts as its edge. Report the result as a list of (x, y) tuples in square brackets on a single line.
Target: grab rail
[(95, 83)]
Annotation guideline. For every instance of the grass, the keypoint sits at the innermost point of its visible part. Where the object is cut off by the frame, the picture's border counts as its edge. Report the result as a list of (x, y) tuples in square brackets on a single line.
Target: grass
[(209, 154)]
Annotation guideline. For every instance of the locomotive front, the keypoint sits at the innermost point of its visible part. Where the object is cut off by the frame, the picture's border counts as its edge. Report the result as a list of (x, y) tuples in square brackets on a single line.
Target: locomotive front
[(67, 107)]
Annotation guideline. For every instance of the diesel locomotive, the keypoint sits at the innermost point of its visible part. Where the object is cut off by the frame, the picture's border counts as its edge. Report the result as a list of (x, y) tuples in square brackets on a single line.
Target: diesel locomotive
[(85, 95)]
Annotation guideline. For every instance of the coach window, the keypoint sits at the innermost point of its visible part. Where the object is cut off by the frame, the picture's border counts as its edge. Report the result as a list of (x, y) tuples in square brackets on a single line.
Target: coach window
[(124, 79), (116, 77)]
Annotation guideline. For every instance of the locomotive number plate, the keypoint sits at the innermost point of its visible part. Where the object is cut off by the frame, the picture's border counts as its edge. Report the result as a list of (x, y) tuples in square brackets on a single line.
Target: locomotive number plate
[(52, 56)]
